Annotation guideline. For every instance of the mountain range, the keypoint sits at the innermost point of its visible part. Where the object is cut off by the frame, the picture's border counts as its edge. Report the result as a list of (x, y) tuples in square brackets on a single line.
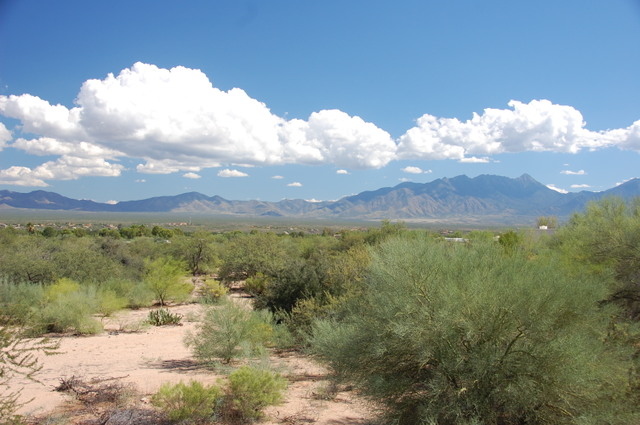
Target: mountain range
[(485, 197)]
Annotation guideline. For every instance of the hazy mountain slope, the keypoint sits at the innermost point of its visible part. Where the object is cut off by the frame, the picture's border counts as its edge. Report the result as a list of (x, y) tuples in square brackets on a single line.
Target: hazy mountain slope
[(460, 196)]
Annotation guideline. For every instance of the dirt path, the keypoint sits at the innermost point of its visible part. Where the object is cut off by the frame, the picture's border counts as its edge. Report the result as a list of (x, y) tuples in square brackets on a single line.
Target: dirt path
[(155, 355)]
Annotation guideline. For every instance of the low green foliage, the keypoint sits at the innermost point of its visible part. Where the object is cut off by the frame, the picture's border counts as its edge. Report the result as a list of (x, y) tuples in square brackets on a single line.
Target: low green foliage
[(212, 291), (18, 301), (65, 306), (60, 289), (297, 279), (188, 403), (251, 390), (257, 285), (136, 293), (108, 302), (229, 331), (605, 239), (470, 334), (163, 317), (510, 240), (68, 307)]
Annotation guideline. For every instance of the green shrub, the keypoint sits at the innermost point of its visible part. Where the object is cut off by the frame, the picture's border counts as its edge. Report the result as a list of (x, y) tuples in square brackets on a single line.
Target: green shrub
[(188, 403), (163, 317), (140, 296), (468, 334), (605, 239), (246, 255), (510, 240), (61, 307), (61, 288), (229, 331), (300, 320), (297, 279), (136, 293), (251, 390), (18, 301), (212, 291), (68, 307), (256, 285), (108, 302)]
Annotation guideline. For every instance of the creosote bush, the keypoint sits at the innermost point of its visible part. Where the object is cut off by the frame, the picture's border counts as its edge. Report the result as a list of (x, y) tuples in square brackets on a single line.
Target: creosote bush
[(251, 390), (67, 307), (247, 393), (256, 285), (136, 293), (229, 331), (605, 239), (108, 302), (212, 291), (188, 403), (455, 334)]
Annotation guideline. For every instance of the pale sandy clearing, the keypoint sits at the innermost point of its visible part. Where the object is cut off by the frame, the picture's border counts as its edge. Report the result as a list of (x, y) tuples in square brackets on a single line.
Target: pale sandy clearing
[(156, 355)]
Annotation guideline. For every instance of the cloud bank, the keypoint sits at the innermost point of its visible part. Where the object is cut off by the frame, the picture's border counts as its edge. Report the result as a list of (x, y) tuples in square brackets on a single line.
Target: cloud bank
[(536, 126), (175, 120)]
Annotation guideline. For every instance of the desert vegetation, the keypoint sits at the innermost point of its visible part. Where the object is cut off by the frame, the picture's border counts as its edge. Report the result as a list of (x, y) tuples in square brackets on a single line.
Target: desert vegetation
[(508, 327)]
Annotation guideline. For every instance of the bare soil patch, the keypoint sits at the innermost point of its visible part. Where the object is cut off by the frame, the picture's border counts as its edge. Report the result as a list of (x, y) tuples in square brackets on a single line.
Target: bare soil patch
[(151, 356)]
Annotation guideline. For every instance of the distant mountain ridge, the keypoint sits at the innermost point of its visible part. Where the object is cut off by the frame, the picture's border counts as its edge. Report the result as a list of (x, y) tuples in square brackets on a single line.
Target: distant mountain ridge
[(482, 196)]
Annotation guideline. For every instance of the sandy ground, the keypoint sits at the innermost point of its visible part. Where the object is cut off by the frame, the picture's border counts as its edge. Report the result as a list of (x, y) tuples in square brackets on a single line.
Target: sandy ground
[(155, 355)]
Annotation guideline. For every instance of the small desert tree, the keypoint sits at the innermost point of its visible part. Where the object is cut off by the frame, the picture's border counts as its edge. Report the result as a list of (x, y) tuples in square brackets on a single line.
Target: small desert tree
[(163, 277), (471, 334), (197, 251), (246, 255)]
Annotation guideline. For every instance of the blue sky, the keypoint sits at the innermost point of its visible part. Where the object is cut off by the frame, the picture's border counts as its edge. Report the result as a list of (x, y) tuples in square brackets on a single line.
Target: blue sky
[(273, 99)]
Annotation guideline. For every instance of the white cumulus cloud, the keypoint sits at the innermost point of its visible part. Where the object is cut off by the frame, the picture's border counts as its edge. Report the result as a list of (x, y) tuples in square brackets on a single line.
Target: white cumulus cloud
[(231, 173), (49, 146), (413, 170), (191, 176), (295, 184), (64, 168), (176, 121), (5, 135), (345, 172), (536, 126), (277, 177), (580, 186), (475, 160), (332, 136), (20, 176), (573, 173)]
